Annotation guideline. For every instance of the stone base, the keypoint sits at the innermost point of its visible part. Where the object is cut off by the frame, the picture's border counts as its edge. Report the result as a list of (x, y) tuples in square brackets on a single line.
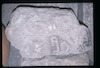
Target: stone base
[(74, 60)]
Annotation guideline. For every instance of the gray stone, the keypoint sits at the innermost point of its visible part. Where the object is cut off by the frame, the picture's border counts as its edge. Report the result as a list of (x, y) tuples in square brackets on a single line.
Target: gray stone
[(14, 57), (39, 32), (71, 60), (88, 20)]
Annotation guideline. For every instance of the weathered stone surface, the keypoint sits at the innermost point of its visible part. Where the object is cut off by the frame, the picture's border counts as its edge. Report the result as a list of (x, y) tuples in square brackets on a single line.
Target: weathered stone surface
[(88, 20), (74, 60), (39, 32)]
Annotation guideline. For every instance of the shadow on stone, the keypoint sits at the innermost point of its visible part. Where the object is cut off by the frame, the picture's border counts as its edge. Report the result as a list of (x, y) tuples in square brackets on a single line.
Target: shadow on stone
[(14, 57)]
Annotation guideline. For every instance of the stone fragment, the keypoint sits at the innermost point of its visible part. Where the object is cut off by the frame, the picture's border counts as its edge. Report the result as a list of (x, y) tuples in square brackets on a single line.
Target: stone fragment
[(39, 32)]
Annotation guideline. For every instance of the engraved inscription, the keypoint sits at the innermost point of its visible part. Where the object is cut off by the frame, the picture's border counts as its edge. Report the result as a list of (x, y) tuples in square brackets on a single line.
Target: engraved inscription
[(64, 46), (54, 45)]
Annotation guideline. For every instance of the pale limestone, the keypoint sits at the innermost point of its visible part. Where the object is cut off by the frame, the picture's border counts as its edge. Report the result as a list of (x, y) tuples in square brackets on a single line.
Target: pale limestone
[(39, 32)]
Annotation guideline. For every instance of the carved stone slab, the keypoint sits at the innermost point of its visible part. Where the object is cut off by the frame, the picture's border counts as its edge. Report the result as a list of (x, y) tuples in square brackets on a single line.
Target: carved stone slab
[(39, 32)]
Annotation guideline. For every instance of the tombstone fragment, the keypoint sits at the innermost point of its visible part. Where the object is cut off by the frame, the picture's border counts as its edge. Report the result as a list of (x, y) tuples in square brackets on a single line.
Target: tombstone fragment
[(39, 32)]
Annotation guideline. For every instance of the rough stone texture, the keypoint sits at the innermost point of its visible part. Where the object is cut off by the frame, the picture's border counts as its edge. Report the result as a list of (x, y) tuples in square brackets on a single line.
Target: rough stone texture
[(44, 32), (88, 17), (71, 60), (88, 20), (7, 8)]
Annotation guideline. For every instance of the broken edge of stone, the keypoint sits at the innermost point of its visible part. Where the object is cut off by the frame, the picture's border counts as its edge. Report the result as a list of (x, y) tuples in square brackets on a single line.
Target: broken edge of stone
[(29, 6)]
